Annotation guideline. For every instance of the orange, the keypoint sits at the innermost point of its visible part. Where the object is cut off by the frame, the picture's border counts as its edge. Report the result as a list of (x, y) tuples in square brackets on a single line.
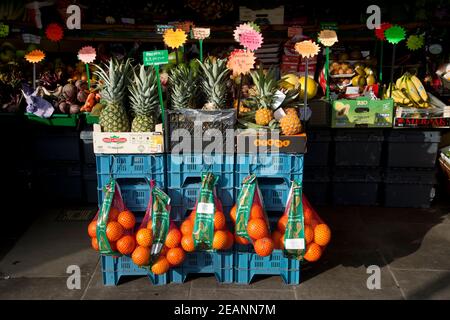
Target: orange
[(282, 223), (150, 224), (141, 256), (126, 219), (126, 244), (313, 252), (114, 231), (113, 214), (282, 241), (233, 213), (175, 256), (322, 234), (187, 243), (256, 212), (257, 228), (173, 238), (219, 221), (187, 227), (144, 237), (276, 237), (220, 240), (308, 215), (161, 265), (164, 250), (192, 215), (94, 243), (92, 229), (309, 234), (240, 240), (264, 246), (230, 240)]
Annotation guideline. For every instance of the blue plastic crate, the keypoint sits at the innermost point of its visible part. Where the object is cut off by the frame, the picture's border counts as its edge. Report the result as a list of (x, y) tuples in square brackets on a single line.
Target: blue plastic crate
[(113, 268), (136, 194), (274, 192), (131, 165), (248, 264), (219, 263), (274, 165)]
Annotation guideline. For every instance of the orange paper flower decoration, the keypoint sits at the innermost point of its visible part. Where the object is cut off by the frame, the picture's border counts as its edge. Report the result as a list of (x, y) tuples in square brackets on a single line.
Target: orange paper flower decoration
[(87, 54), (241, 61), (35, 56), (174, 39), (54, 32), (307, 48), (328, 37)]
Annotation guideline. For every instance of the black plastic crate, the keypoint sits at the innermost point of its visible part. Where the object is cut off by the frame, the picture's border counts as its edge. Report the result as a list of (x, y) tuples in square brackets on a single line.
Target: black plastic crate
[(409, 188), (201, 129), (320, 113), (318, 147), (87, 142), (316, 185), (412, 149), (56, 145), (358, 147), (356, 186), (90, 183)]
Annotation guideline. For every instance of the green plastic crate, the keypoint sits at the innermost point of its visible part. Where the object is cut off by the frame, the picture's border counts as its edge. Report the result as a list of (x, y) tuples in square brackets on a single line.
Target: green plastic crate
[(90, 119), (56, 120)]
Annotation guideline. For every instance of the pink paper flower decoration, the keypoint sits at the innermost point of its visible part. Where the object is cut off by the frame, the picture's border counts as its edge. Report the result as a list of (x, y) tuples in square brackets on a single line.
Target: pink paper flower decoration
[(87, 54), (251, 39), (241, 29)]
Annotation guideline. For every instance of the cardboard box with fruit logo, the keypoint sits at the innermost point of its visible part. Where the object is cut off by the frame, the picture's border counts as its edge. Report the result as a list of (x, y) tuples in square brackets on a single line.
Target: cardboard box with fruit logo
[(362, 112)]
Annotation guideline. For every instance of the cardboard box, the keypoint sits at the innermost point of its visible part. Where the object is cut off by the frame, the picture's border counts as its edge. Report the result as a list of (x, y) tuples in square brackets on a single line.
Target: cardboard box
[(263, 16), (422, 118), (362, 113), (128, 142), (267, 141)]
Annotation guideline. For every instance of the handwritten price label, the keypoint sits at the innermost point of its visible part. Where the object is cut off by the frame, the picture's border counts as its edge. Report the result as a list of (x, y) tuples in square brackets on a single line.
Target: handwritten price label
[(251, 40), (201, 33), (241, 62)]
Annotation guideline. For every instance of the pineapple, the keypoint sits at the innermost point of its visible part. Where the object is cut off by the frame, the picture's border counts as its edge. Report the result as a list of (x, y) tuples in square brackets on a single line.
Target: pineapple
[(183, 87), (290, 124), (215, 76), (242, 108), (144, 100), (263, 95), (114, 78), (291, 110)]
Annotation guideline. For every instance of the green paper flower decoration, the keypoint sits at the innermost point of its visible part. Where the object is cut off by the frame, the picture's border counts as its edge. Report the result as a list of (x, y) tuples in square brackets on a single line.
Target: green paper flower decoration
[(254, 26), (395, 34), (415, 42)]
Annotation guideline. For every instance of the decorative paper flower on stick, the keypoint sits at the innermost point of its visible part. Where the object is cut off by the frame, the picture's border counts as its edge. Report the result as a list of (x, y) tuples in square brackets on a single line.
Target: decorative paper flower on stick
[(415, 42), (243, 28), (328, 37), (379, 32), (54, 32), (87, 54), (395, 34), (35, 56), (201, 33), (174, 38), (307, 48), (251, 39), (241, 61)]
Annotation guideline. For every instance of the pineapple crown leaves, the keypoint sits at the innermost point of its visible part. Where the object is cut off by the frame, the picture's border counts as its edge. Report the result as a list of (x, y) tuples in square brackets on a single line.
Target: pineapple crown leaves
[(144, 91), (214, 77), (115, 77), (183, 86), (266, 86)]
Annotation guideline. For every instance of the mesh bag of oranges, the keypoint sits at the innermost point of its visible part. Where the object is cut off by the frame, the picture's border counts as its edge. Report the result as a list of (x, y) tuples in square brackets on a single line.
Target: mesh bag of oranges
[(111, 230), (158, 240), (251, 222), (301, 233), (205, 228)]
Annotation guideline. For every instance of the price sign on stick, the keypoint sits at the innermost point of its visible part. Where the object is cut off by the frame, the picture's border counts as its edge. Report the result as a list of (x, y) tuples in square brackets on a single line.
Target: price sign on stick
[(200, 34)]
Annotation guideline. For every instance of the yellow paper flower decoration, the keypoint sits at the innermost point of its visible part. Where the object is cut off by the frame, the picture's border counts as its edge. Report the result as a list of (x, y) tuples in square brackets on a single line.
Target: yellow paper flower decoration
[(174, 38), (307, 48), (328, 37), (35, 56)]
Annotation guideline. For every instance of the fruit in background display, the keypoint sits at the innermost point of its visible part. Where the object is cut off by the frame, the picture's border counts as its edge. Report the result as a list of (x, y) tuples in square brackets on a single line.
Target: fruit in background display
[(289, 82), (183, 87), (214, 76), (290, 124), (408, 91), (144, 100), (114, 77), (341, 69), (311, 89)]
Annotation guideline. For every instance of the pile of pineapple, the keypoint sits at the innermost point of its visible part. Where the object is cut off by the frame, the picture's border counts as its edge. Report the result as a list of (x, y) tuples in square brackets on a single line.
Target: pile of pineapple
[(256, 107)]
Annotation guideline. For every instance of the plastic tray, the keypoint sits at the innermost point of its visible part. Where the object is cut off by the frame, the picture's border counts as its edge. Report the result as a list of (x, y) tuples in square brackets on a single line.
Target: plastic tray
[(130, 165), (57, 120)]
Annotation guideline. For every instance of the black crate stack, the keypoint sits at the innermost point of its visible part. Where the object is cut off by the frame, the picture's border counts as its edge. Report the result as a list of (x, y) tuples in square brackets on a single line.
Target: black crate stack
[(357, 167), (410, 174)]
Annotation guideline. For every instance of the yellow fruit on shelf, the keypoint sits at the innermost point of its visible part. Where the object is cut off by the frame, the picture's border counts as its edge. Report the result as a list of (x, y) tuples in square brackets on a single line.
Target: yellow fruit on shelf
[(311, 89), (263, 116), (290, 124)]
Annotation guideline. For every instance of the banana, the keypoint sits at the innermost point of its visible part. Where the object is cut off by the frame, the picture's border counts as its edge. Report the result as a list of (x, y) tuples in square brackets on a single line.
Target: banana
[(412, 91), (419, 87), (400, 98), (399, 81)]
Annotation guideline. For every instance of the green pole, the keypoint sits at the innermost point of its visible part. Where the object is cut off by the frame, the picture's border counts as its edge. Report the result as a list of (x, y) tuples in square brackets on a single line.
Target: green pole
[(327, 70), (88, 76), (381, 62), (161, 102), (201, 49), (176, 55)]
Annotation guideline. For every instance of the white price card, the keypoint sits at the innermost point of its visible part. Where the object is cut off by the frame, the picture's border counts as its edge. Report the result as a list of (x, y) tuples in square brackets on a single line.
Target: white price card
[(295, 244), (207, 208)]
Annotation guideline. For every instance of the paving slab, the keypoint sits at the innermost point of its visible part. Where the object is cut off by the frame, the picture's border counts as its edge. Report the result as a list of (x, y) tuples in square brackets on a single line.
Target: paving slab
[(258, 282), (48, 247), (435, 215), (54, 288), (424, 285), (240, 294)]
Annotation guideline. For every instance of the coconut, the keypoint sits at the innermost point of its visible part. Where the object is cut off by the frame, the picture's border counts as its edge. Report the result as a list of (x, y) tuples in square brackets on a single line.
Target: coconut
[(70, 92), (64, 107), (74, 108)]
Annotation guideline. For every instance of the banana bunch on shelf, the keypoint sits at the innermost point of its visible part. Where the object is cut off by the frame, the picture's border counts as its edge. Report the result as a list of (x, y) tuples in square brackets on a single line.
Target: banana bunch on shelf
[(408, 91)]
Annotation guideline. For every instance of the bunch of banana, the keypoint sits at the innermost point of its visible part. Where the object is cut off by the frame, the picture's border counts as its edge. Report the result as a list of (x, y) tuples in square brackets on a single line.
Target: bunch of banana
[(399, 97), (409, 86)]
